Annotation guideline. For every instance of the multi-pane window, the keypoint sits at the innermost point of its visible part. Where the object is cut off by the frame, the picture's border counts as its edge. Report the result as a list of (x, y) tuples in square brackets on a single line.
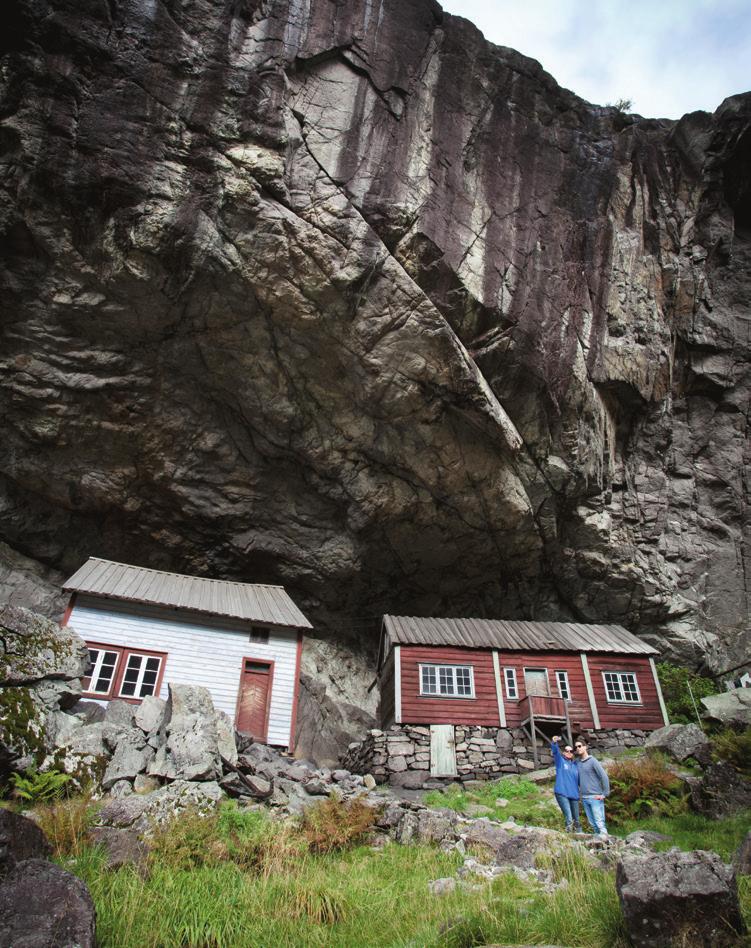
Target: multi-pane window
[(621, 686), (512, 690), (447, 681), (259, 636), (117, 672), (141, 673), (101, 671), (563, 689)]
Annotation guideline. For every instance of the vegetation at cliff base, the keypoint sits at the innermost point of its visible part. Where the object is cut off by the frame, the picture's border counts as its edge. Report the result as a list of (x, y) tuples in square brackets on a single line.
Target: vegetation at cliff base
[(242, 879)]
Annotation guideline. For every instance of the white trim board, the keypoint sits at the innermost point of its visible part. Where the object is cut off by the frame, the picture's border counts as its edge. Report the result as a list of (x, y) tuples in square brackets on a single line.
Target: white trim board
[(660, 698), (499, 689), (590, 691), (397, 684)]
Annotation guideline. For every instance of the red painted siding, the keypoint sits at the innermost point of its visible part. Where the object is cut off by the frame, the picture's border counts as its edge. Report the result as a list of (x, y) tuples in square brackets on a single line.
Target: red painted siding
[(579, 710), (418, 709), (646, 715), (483, 708)]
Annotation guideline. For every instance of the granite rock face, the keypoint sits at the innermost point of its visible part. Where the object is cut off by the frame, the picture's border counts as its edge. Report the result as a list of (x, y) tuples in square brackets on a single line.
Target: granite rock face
[(342, 296)]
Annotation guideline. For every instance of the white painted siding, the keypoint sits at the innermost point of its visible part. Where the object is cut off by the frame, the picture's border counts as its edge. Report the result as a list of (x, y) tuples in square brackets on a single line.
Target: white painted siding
[(201, 650)]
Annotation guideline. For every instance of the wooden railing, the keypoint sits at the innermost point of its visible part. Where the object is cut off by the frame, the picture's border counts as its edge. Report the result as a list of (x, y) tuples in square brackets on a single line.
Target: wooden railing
[(543, 706)]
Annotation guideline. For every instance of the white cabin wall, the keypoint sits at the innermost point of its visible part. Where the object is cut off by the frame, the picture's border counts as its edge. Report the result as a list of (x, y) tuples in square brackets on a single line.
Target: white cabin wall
[(201, 650)]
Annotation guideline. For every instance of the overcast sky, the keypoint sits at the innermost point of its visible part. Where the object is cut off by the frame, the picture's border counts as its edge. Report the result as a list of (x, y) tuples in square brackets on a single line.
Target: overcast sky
[(668, 56)]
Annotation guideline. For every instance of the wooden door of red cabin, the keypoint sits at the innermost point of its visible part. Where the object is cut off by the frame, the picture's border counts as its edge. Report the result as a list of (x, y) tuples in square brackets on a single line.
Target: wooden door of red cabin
[(254, 698)]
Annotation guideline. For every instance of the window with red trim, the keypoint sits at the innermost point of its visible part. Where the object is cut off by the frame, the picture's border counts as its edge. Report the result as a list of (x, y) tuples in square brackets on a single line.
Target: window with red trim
[(118, 672)]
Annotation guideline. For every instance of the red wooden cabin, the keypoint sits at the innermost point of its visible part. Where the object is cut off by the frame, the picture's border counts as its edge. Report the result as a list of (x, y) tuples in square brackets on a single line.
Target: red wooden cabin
[(509, 674)]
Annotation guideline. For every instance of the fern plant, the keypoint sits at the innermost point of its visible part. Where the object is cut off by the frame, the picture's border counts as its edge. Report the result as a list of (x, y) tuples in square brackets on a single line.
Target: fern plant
[(36, 786)]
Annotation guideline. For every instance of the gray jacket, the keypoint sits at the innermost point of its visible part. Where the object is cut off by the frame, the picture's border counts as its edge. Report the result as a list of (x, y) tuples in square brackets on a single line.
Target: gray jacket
[(593, 781)]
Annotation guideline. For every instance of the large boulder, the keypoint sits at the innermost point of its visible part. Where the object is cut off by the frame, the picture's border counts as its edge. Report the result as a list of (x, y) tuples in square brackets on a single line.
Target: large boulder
[(42, 905), (41, 663), (679, 898), (33, 648), (681, 741), (195, 737), (720, 791), (732, 708), (20, 839)]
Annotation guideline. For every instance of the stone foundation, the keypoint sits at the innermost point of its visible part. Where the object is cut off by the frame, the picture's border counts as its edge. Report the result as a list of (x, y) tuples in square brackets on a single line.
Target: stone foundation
[(401, 754)]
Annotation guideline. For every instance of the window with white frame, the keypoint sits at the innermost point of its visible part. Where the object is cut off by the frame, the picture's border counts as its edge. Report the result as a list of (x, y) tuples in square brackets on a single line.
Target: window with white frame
[(561, 678), (512, 690), (117, 672), (621, 686), (447, 681), (101, 671), (141, 674)]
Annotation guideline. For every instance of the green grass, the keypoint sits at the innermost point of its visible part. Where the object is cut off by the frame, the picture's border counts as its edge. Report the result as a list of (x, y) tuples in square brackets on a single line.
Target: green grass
[(527, 802), (241, 879), (692, 831)]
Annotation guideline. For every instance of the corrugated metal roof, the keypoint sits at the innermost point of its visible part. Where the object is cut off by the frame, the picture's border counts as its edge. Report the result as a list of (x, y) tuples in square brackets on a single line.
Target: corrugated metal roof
[(256, 603), (512, 635)]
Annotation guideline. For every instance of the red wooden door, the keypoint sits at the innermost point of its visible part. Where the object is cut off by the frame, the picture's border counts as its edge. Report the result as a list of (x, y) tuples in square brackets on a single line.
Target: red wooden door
[(253, 701)]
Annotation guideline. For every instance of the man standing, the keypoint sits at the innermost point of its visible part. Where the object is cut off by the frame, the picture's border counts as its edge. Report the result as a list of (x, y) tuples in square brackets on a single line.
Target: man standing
[(594, 786)]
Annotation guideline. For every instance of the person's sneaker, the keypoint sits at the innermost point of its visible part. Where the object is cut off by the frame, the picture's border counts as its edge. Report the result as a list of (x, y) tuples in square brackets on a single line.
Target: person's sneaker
[(578, 828)]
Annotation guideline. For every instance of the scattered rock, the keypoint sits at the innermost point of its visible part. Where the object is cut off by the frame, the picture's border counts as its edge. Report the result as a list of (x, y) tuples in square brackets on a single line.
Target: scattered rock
[(20, 839), (126, 763), (409, 779), (646, 839), (124, 847), (442, 886), (681, 741), (732, 708), (42, 905), (119, 713), (145, 784), (509, 845), (720, 791), (369, 782), (123, 788), (679, 898), (150, 714)]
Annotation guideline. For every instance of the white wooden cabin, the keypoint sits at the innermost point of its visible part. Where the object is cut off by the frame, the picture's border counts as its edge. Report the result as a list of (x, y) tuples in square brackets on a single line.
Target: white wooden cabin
[(146, 628)]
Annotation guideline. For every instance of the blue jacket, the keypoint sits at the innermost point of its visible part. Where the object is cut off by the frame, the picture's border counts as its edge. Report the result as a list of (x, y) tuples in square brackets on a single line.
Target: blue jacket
[(566, 774)]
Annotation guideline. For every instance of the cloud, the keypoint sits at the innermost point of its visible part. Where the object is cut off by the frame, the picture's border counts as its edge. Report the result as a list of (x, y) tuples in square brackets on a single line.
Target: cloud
[(668, 58)]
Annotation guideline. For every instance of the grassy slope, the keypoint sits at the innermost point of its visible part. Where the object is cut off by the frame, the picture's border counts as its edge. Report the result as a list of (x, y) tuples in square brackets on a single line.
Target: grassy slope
[(242, 880)]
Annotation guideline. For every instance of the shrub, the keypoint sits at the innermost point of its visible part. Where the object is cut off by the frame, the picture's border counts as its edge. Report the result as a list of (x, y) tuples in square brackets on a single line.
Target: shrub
[(65, 824), (733, 747), (336, 824), (34, 786), (675, 681), (249, 840), (639, 788)]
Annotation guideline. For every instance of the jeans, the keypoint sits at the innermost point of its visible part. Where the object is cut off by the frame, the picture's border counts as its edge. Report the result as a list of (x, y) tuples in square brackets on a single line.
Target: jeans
[(595, 810), (570, 809)]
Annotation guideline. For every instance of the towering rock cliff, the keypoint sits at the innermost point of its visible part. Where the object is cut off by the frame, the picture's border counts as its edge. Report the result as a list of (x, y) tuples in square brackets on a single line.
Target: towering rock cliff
[(340, 295)]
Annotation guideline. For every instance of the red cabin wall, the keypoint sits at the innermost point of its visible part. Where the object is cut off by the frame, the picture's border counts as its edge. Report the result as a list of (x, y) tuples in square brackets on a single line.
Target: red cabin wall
[(483, 708), (417, 709), (579, 710), (646, 715)]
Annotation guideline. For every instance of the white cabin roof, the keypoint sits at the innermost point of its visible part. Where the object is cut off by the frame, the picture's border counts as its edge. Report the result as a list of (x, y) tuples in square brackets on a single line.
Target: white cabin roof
[(253, 602)]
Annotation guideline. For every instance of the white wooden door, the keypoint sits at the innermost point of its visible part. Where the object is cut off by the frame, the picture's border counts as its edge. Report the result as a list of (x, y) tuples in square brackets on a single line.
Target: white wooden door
[(442, 750)]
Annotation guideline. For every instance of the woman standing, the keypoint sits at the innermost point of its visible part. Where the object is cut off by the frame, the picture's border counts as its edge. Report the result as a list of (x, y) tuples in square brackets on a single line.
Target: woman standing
[(566, 788)]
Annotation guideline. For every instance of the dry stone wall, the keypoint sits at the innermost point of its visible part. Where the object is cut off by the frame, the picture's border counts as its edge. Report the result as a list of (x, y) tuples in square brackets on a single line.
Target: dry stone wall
[(400, 755)]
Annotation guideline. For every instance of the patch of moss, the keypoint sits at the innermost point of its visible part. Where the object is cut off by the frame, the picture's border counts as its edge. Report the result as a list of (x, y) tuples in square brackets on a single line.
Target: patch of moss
[(21, 723)]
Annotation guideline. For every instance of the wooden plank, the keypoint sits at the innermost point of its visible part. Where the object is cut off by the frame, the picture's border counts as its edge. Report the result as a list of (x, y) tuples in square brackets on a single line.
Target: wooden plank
[(397, 684), (442, 750), (590, 692), (499, 689)]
